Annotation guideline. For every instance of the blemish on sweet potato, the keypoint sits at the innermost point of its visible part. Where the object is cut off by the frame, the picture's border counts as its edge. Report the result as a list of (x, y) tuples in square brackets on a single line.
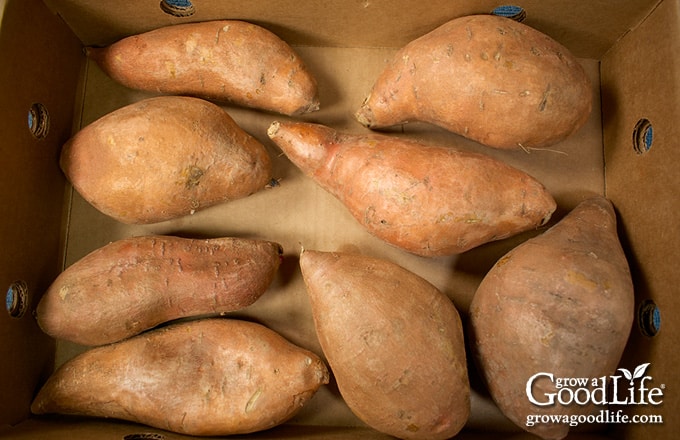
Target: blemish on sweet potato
[(544, 100), (253, 400), (192, 176)]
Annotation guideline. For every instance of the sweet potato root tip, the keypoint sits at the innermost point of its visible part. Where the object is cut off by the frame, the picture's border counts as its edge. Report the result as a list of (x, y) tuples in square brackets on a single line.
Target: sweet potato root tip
[(313, 106), (273, 128), (364, 115)]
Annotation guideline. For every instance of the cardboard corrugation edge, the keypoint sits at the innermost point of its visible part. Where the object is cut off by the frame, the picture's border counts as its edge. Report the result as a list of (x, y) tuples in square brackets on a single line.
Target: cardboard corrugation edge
[(69, 191)]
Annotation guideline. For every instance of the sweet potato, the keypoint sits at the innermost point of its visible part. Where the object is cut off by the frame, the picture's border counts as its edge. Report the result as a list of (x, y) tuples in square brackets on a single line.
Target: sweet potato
[(162, 158), (488, 78), (561, 304), (137, 283), (207, 377), (223, 60), (394, 344), (429, 200)]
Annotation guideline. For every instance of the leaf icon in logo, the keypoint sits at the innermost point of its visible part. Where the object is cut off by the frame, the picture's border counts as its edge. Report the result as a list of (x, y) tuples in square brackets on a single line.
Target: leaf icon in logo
[(638, 373), (626, 373), (640, 370)]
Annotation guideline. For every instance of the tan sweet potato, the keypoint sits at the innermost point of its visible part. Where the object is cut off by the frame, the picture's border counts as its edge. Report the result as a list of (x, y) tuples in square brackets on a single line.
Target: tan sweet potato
[(426, 199), (137, 283), (560, 304), (394, 344), (223, 60), (163, 158), (488, 78), (207, 377)]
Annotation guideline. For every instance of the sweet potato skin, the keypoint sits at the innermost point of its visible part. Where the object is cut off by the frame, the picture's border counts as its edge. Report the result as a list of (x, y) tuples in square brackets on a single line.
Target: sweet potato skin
[(560, 303), (162, 158), (488, 78), (222, 60), (206, 377), (393, 341), (430, 200), (135, 284)]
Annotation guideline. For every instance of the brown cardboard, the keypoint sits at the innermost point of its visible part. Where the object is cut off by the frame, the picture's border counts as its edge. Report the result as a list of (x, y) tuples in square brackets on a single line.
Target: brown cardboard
[(345, 47), (80, 428), (31, 189), (586, 28), (643, 187)]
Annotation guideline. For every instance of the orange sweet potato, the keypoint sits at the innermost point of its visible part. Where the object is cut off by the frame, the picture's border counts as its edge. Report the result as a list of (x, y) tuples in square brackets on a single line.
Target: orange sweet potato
[(137, 283), (394, 344), (162, 158), (488, 78), (223, 60), (207, 377), (430, 200), (560, 304)]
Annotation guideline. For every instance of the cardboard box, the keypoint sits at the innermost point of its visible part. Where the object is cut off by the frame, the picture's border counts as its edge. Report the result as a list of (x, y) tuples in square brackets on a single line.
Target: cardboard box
[(630, 49)]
